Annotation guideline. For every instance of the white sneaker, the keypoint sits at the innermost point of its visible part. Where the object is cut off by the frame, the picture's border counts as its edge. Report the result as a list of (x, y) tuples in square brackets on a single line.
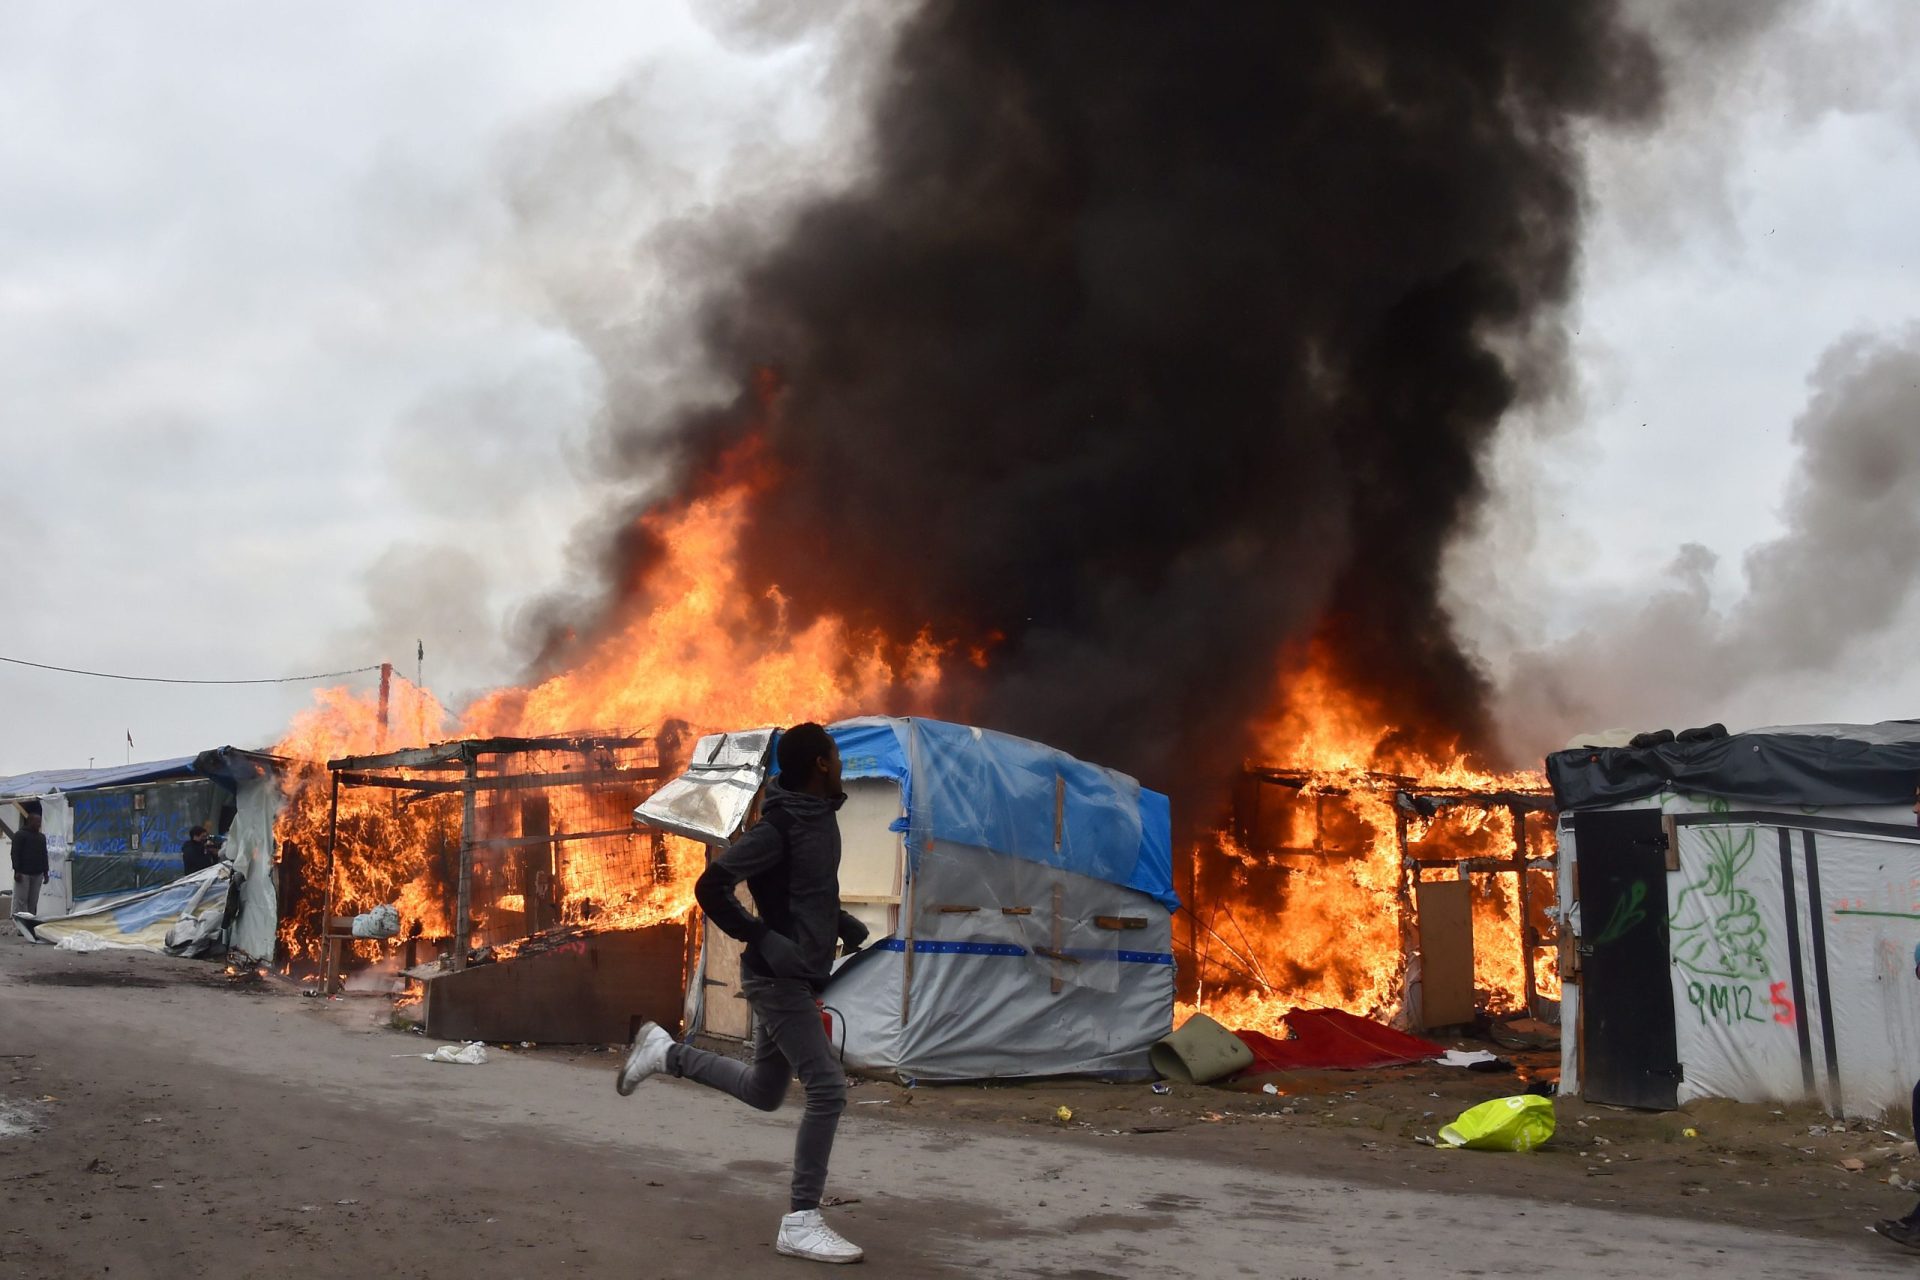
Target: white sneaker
[(647, 1057), (806, 1235)]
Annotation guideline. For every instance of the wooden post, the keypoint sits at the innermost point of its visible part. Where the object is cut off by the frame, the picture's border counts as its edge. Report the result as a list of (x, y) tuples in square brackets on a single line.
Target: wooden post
[(463, 904), (326, 904), (1058, 893), (1059, 810), (1526, 916), (386, 695), (1405, 884), (906, 976)]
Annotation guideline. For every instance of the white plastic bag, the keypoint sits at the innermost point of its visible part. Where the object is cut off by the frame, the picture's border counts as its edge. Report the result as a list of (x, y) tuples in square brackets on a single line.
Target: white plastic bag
[(381, 922), (472, 1054)]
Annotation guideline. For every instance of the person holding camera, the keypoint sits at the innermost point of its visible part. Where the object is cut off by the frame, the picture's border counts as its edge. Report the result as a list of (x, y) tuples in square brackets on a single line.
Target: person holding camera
[(790, 863), (196, 851)]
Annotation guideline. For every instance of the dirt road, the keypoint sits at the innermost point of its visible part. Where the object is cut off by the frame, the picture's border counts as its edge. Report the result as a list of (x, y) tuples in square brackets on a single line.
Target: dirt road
[(154, 1121)]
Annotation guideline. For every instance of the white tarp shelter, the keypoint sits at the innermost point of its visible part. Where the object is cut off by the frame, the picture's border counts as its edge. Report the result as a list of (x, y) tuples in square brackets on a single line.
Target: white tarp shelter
[(1745, 913), (116, 832), (1021, 899)]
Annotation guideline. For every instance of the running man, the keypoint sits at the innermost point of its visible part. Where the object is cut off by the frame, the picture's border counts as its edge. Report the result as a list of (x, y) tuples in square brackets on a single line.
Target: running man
[(790, 862)]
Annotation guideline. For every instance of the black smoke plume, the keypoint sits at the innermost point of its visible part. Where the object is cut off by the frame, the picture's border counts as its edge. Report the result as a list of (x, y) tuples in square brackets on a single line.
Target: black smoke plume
[(1156, 338)]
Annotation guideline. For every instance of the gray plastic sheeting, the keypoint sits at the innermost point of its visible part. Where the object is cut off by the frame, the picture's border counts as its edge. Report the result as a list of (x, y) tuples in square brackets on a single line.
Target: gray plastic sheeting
[(983, 1004)]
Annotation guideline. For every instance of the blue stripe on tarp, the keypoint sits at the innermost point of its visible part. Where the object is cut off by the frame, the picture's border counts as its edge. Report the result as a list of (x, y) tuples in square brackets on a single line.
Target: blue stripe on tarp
[(937, 947)]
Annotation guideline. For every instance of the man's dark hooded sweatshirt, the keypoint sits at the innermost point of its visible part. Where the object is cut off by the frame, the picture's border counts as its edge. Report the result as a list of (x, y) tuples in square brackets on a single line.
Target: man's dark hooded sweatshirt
[(790, 861)]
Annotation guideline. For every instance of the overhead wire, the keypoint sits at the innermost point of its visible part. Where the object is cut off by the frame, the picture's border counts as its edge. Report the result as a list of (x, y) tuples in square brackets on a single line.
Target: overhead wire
[(110, 675)]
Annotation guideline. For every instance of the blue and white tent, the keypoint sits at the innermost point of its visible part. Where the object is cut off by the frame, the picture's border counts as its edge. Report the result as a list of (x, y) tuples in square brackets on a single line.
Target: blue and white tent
[(116, 831), (1022, 900)]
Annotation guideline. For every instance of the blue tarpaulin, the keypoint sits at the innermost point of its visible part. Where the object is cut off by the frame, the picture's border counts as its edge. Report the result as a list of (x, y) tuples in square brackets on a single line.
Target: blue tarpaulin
[(967, 786)]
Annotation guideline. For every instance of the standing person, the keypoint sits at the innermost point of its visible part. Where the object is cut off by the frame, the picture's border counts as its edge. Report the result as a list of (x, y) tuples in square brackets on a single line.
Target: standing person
[(29, 861), (195, 853), (1906, 1230), (790, 862)]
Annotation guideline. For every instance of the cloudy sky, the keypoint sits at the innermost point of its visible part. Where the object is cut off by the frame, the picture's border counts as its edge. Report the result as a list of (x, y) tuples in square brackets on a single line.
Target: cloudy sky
[(288, 376)]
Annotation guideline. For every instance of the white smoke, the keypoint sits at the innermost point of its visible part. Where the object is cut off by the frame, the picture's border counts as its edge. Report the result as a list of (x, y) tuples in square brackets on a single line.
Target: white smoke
[(1826, 604)]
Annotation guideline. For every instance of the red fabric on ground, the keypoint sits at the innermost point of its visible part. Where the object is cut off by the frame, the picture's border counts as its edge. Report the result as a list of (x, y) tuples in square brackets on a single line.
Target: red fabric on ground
[(1329, 1039)]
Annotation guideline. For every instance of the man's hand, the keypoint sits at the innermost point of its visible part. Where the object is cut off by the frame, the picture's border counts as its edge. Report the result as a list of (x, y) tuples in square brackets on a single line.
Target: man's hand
[(853, 934), (781, 955)]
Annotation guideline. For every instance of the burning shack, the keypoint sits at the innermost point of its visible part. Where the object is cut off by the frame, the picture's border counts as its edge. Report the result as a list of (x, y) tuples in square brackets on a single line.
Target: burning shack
[(525, 903), (1426, 900)]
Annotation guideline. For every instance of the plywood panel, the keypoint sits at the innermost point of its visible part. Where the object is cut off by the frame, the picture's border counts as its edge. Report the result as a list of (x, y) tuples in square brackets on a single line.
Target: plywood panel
[(1446, 952), (872, 854), (726, 1012), (593, 990)]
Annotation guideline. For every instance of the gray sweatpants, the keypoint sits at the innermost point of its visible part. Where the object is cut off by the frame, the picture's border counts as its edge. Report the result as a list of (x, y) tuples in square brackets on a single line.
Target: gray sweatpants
[(790, 1039), (26, 894)]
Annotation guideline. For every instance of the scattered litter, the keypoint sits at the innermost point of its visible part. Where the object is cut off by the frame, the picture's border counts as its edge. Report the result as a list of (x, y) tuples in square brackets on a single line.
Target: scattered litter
[(1519, 1123), (346, 1202), (1818, 1131), (1272, 1089), (526, 1044), (1213, 1117), (472, 1054), (1853, 1164), (97, 1165), (834, 1202), (872, 1102), (1463, 1058), (1689, 1133), (1162, 1088), (1063, 1114)]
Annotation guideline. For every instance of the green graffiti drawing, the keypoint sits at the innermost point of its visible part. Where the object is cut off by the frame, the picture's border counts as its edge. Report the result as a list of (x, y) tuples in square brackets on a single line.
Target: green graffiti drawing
[(1626, 913), (1716, 924)]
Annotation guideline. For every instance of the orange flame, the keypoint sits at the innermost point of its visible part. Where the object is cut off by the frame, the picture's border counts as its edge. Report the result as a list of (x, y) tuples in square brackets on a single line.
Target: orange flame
[(695, 642), (1322, 913)]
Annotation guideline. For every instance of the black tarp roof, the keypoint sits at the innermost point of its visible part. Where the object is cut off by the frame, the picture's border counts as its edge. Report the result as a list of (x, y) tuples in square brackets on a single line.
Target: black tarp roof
[(1809, 764)]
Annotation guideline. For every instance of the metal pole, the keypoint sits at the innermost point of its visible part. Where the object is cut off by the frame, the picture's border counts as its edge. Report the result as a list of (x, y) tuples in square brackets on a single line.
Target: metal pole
[(1526, 916), (463, 905)]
